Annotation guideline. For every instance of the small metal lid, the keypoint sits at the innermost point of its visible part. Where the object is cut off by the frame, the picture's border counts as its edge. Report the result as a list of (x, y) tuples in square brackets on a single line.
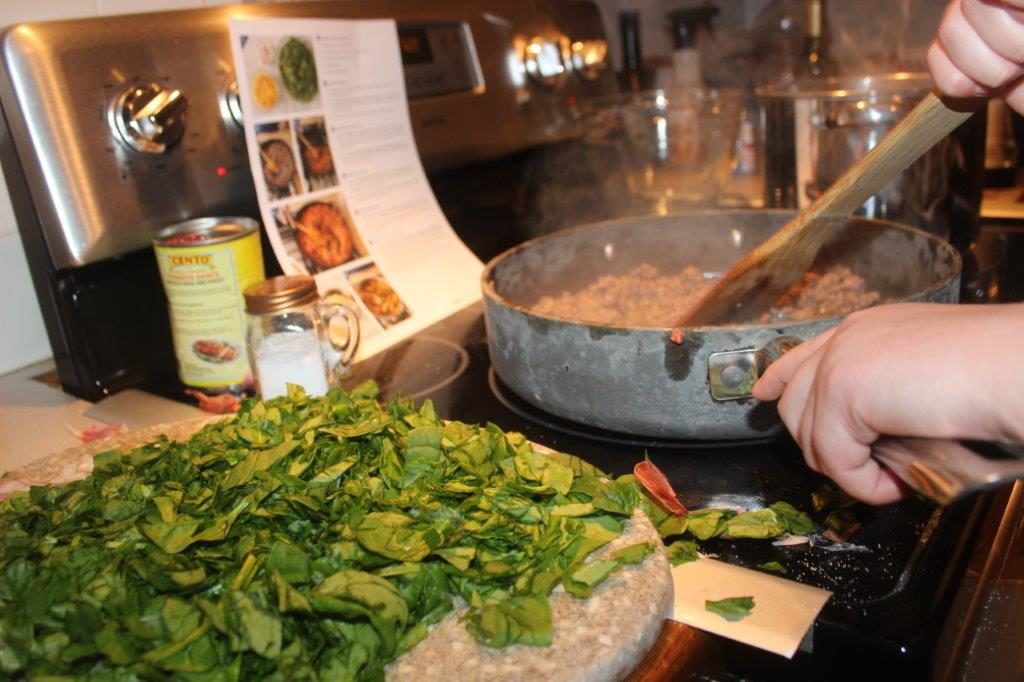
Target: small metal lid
[(882, 85), (280, 293), (206, 231)]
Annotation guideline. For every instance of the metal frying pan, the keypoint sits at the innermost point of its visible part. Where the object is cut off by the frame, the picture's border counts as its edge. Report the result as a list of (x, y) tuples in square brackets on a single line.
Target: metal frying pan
[(639, 380)]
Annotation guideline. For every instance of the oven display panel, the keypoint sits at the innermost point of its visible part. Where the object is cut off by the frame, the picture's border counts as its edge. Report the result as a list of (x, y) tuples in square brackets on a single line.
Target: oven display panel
[(438, 59)]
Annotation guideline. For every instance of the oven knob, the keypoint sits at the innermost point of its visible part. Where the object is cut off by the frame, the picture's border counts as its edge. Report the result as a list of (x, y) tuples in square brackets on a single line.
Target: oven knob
[(543, 62), (589, 58), (149, 118)]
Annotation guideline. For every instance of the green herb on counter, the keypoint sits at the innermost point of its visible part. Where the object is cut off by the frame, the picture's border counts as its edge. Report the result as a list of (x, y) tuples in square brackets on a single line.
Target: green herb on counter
[(732, 609), (682, 552), (707, 523), (796, 521), (773, 567), (760, 523)]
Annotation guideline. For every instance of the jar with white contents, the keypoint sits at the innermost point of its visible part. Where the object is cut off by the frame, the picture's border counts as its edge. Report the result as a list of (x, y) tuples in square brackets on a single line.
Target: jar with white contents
[(288, 336)]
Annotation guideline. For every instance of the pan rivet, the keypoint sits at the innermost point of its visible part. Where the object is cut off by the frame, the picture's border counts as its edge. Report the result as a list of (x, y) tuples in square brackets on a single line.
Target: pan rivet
[(733, 376)]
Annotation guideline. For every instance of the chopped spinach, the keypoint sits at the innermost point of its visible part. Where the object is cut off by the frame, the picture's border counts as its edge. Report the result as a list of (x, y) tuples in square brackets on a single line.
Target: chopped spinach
[(796, 521), (707, 523), (760, 523), (634, 554), (682, 552), (732, 608), (308, 537), (773, 567), (313, 538)]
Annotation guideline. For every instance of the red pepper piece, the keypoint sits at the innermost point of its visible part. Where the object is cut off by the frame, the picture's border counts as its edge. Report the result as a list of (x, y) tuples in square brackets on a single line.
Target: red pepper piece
[(225, 403), (657, 485)]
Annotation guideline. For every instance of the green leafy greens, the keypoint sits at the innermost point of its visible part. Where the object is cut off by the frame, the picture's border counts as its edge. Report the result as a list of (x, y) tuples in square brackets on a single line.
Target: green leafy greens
[(308, 537), (731, 608), (314, 538), (682, 552)]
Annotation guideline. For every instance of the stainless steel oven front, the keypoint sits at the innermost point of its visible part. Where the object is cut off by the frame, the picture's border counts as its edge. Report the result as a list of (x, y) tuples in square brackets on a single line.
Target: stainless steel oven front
[(489, 83)]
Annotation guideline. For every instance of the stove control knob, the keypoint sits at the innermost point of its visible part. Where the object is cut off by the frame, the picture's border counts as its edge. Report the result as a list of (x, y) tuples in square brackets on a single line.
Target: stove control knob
[(149, 118), (544, 63)]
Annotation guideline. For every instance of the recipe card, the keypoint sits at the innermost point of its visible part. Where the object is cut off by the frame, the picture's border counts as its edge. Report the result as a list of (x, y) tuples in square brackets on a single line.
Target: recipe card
[(342, 192)]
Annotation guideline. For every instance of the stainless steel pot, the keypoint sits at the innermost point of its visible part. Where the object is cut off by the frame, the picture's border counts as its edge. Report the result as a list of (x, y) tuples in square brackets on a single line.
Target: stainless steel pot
[(641, 380), (814, 131)]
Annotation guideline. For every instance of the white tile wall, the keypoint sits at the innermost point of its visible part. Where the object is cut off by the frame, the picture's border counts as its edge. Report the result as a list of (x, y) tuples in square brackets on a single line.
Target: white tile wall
[(136, 6), (42, 10), (23, 339)]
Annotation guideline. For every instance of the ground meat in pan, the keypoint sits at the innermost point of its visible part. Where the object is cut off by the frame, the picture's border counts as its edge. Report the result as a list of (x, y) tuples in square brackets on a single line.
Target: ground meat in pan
[(836, 291), (644, 297)]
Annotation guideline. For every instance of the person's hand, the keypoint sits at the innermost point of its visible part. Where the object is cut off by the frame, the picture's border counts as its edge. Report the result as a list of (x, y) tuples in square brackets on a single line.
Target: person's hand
[(979, 50), (928, 370)]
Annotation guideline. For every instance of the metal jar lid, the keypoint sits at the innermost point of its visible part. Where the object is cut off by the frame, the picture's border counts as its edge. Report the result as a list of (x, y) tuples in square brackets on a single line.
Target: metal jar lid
[(280, 293), (205, 231)]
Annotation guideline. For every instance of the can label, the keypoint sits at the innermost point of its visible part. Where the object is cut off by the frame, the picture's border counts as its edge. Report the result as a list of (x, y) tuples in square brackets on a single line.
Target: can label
[(205, 266)]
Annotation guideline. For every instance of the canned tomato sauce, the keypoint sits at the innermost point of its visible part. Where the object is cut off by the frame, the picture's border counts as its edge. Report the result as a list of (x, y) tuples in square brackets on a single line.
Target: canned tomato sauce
[(205, 265)]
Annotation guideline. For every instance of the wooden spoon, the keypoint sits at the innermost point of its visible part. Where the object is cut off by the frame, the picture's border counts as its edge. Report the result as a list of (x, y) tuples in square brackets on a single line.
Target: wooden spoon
[(752, 285), (309, 145), (299, 227), (268, 162)]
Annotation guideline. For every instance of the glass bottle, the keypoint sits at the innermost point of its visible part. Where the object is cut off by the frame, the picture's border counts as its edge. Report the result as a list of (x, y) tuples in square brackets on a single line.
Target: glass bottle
[(632, 59), (287, 336)]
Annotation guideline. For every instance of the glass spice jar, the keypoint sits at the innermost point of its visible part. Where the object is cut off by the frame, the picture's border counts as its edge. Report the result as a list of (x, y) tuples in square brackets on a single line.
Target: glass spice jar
[(290, 335)]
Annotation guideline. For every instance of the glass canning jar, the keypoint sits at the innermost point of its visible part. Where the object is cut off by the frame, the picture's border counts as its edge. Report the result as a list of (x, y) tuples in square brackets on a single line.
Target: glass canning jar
[(292, 335)]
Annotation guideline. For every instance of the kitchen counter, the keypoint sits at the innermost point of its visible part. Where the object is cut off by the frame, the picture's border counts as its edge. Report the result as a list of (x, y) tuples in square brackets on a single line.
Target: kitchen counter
[(37, 418)]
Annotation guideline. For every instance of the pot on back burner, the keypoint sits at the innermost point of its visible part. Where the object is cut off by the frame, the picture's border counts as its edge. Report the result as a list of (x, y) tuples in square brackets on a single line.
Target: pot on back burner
[(816, 130)]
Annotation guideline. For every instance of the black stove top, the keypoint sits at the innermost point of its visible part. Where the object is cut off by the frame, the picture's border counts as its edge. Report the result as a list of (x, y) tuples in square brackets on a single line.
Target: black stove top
[(889, 600)]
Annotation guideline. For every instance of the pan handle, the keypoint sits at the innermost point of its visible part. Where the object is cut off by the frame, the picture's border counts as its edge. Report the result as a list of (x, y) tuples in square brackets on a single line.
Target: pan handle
[(733, 373)]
